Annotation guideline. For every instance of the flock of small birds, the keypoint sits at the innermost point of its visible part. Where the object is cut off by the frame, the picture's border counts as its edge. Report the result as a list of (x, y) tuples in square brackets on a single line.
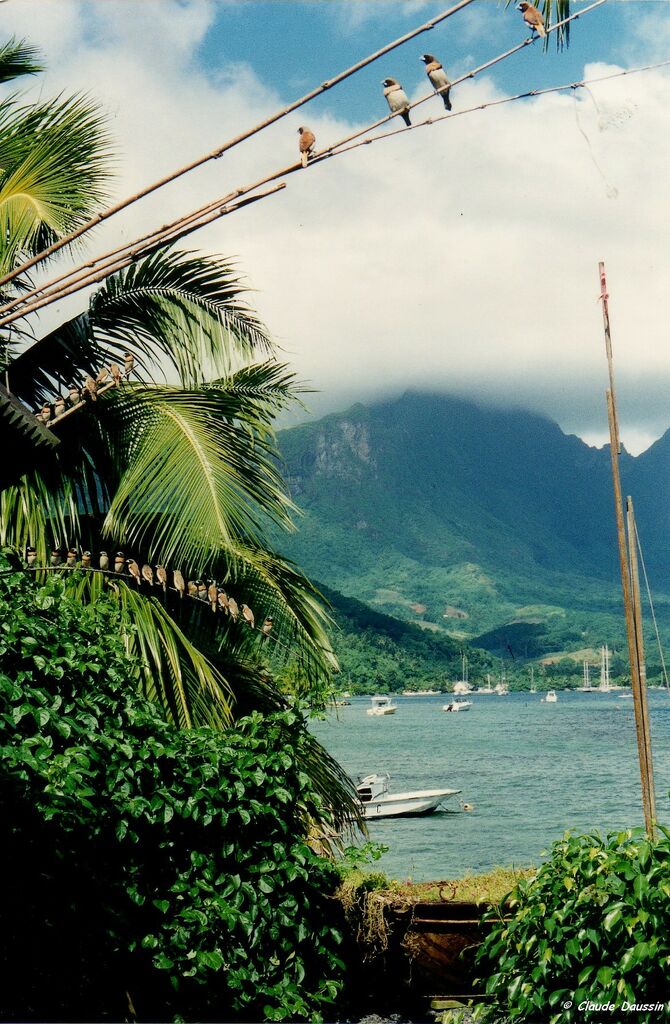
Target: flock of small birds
[(397, 98), (199, 590), (108, 376)]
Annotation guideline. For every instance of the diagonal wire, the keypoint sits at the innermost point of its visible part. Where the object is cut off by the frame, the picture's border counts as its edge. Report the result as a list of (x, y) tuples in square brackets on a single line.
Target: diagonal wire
[(111, 262), (231, 143)]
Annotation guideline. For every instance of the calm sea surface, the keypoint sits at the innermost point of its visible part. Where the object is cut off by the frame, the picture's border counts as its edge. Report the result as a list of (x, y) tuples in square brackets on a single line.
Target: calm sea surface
[(530, 769)]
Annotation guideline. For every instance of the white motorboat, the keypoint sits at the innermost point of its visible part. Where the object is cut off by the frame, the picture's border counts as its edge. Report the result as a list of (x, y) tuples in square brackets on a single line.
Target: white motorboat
[(377, 802), (382, 706), (457, 705), (550, 698)]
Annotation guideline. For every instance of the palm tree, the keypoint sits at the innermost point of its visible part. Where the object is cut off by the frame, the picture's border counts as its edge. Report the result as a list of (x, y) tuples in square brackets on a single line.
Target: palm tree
[(180, 472)]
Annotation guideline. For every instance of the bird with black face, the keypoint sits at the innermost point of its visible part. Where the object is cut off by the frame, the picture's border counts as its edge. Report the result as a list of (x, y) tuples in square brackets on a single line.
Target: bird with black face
[(437, 77), (397, 99)]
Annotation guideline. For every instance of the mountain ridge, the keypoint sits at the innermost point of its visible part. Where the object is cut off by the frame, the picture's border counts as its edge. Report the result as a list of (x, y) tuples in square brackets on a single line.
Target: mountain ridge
[(465, 517)]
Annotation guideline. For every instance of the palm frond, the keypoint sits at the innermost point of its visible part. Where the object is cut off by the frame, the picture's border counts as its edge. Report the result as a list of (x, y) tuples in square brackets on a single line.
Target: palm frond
[(195, 481), (183, 308), (18, 58), (54, 165), (170, 668), (65, 355), (34, 513)]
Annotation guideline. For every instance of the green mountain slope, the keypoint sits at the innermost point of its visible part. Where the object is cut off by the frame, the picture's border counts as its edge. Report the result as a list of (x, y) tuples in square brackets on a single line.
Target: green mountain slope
[(474, 522)]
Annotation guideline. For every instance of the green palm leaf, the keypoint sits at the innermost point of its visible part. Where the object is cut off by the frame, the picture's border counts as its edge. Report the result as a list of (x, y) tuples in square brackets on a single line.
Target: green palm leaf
[(183, 308), (195, 479), (17, 58), (54, 161)]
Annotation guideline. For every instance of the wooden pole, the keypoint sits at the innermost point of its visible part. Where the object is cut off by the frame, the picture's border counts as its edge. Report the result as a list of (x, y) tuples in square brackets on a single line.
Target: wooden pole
[(635, 656), (628, 608), (640, 698)]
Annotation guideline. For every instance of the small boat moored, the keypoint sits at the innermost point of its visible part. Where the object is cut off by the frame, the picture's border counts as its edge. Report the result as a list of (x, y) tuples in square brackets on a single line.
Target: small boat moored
[(551, 697), (457, 705), (382, 706), (377, 802)]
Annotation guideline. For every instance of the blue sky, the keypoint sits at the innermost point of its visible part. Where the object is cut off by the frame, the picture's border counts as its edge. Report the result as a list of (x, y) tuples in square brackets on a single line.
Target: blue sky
[(460, 257), (296, 45)]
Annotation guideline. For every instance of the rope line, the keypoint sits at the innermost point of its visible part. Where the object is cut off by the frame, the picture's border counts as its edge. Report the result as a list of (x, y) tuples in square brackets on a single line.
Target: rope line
[(651, 606)]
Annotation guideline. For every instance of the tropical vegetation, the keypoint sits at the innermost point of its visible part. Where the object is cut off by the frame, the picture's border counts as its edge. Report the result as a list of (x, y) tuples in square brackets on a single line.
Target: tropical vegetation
[(591, 926), (154, 873), (173, 466)]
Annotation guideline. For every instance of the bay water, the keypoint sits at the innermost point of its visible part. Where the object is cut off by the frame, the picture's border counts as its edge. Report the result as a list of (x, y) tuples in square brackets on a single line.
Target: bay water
[(530, 769)]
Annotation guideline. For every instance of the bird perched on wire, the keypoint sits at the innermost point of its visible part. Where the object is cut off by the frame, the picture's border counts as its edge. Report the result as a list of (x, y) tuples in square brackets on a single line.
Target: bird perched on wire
[(202, 590), (266, 628), (73, 395), (44, 415), (71, 558), (59, 406), (55, 558), (89, 390), (134, 570), (396, 97), (233, 609), (222, 599), (102, 376), (192, 589), (162, 577), (437, 77), (115, 371), (128, 363), (148, 574), (248, 616), (119, 562), (178, 581), (31, 557), (103, 561), (86, 560), (306, 144), (213, 595), (533, 18)]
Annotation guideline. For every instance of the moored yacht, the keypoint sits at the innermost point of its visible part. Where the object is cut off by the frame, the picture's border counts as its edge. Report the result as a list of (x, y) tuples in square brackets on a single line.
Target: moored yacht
[(377, 802), (382, 706)]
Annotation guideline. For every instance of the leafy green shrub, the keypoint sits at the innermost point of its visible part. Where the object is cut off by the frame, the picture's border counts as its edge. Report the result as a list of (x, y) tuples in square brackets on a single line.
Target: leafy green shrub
[(593, 925), (147, 870)]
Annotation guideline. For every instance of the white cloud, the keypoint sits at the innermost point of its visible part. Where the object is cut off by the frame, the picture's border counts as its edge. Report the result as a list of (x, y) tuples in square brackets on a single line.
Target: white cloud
[(462, 256)]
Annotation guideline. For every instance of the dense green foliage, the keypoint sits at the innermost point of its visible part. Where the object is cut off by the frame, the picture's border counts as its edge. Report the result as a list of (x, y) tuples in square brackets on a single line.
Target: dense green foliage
[(148, 869), (592, 925), (489, 525), (379, 652)]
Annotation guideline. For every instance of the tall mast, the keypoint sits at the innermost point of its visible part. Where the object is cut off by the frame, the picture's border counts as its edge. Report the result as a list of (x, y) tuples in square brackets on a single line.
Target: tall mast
[(631, 607)]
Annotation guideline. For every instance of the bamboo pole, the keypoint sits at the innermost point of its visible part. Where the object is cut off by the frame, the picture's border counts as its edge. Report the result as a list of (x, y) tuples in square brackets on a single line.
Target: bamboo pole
[(640, 698), (635, 652), (86, 274), (604, 298), (628, 611), (235, 141)]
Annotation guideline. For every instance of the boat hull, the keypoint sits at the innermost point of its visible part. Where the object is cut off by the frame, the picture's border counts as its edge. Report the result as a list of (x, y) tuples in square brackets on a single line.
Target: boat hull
[(403, 805)]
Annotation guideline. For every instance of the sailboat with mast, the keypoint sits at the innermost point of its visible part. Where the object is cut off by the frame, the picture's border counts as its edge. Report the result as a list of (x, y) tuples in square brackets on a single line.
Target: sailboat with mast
[(586, 688)]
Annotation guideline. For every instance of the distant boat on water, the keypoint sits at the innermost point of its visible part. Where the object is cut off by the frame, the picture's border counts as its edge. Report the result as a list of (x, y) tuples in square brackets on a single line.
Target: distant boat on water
[(463, 685), (550, 698), (457, 705), (382, 706)]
